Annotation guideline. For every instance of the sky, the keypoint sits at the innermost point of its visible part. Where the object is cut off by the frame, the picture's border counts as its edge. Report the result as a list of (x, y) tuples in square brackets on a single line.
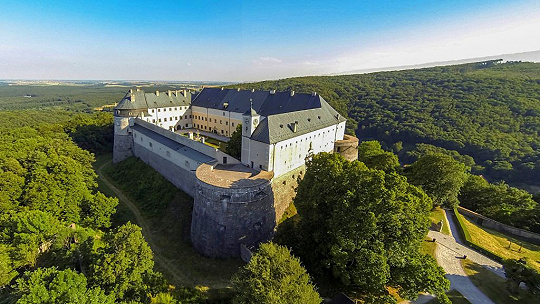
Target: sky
[(251, 40)]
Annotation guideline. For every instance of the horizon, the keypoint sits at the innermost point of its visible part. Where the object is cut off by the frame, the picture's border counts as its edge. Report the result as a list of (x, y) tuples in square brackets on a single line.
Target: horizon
[(242, 41)]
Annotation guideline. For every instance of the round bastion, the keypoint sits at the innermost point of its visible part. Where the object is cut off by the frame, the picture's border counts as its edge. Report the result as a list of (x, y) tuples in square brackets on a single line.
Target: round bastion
[(233, 206), (347, 147)]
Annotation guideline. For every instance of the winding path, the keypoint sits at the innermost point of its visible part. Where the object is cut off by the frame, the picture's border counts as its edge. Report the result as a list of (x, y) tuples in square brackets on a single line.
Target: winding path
[(163, 262), (449, 254)]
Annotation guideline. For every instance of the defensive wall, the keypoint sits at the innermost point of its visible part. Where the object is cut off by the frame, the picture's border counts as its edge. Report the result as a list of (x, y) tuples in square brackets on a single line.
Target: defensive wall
[(235, 206), (492, 224)]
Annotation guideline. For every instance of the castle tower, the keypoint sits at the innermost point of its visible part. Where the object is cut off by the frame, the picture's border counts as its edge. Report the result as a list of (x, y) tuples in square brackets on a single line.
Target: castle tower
[(132, 105), (347, 147), (250, 121)]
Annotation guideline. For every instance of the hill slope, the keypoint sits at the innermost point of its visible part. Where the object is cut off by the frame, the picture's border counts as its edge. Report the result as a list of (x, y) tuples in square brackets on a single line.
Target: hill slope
[(488, 110)]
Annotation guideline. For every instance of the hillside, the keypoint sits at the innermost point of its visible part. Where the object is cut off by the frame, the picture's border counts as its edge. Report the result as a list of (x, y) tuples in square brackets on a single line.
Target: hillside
[(489, 111)]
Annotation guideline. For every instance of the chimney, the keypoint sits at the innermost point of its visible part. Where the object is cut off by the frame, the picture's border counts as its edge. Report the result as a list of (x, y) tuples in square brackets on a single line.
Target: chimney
[(292, 93), (313, 93), (272, 92), (157, 93), (295, 126), (170, 93), (184, 92), (138, 89), (222, 88), (238, 89), (131, 91), (252, 90)]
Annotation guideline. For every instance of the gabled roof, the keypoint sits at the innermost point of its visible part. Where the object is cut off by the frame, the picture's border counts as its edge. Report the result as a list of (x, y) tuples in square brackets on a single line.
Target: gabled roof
[(264, 103), (138, 99), (279, 127)]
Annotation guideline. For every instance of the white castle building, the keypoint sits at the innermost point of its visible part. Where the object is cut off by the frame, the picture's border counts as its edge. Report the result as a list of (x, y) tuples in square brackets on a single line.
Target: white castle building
[(237, 201)]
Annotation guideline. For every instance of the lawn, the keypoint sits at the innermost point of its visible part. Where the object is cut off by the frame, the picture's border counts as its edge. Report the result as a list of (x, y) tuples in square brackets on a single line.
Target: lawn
[(503, 245), (494, 286), (438, 215)]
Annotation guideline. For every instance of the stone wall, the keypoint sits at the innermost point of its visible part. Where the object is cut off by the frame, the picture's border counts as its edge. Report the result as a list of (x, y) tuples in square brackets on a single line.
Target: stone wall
[(348, 147), (179, 177), (123, 147), (492, 224), (226, 218), (284, 188)]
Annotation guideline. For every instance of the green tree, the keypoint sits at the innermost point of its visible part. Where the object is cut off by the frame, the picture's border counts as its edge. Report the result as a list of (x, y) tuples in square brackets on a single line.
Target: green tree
[(517, 272), (440, 175), (274, 276), (361, 225), (234, 146), (52, 286), (371, 154), (124, 263), (7, 273)]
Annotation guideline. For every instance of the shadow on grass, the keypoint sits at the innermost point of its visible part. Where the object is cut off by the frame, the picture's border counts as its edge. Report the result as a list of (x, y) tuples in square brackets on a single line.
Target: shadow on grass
[(494, 287)]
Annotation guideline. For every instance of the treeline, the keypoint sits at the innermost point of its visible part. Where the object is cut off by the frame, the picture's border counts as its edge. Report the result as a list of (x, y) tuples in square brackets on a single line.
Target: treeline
[(489, 111), (56, 240)]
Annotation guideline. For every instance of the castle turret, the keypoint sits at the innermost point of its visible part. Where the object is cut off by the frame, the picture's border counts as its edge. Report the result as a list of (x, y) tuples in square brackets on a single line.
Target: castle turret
[(250, 121), (132, 105)]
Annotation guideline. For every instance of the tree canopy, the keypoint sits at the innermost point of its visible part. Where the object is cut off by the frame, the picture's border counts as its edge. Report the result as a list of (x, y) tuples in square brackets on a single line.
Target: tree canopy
[(274, 276), (364, 227), (234, 145), (440, 175), (374, 157)]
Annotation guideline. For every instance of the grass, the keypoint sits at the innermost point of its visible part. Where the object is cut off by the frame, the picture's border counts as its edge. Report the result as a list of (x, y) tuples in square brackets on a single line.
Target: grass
[(437, 215), (494, 287), (502, 245), (168, 211), (428, 247), (455, 297)]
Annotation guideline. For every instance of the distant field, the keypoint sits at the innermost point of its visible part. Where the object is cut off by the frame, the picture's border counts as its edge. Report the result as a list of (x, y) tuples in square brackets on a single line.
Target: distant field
[(72, 96)]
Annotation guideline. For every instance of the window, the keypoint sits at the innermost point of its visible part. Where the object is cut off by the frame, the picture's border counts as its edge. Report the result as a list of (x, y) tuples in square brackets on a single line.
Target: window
[(159, 120), (224, 159), (220, 122), (175, 108), (168, 154), (164, 109), (221, 131), (141, 139), (153, 120), (215, 120), (165, 119), (159, 110), (152, 110), (223, 113), (135, 135), (206, 119), (226, 123), (150, 144), (232, 124)]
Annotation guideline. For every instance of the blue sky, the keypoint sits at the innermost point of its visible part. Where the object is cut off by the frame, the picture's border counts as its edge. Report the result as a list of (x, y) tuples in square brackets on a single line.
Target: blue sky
[(251, 40)]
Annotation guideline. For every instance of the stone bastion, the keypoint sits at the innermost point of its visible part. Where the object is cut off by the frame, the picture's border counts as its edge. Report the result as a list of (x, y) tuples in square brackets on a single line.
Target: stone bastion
[(233, 206)]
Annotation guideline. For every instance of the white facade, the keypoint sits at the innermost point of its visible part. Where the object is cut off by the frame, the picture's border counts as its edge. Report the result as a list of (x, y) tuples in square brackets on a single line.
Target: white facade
[(170, 118), (290, 154)]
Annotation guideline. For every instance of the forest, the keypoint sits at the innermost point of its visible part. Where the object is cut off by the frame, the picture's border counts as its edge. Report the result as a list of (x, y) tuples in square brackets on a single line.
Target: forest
[(487, 111)]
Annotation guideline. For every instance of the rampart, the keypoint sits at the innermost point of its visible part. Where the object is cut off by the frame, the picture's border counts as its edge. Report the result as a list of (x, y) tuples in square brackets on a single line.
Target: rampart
[(492, 224)]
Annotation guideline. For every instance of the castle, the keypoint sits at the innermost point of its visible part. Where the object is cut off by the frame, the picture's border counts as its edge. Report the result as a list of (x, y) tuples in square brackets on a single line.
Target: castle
[(236, 201)]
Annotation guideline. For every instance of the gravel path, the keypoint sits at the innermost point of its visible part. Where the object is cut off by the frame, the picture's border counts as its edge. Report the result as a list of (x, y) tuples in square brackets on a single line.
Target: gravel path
[(449, 254)]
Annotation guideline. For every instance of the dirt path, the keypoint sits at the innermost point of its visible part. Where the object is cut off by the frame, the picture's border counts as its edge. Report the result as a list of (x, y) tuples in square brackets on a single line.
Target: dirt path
[(163, 262)]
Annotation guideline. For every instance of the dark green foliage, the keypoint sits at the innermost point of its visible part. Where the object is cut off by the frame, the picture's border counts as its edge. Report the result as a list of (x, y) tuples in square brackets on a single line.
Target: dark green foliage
[(440, 175), (274, 276), (363, 226), (516, 272), (487, 111), (234, 145), (124, 264), (374, 157), (501, 202), (94, 133), (44, 170), (53, 286)]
